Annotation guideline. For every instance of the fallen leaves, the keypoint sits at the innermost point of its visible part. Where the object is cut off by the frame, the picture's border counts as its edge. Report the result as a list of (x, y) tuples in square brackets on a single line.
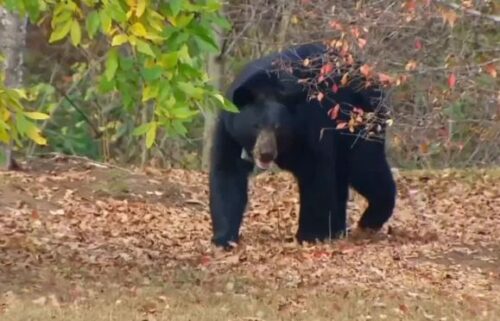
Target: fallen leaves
[(449, 17), (452, 80), (59, 223), (491, 70)]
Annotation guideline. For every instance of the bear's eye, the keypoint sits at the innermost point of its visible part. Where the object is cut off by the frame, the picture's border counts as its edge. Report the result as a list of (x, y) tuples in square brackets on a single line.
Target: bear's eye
[(277, 126)]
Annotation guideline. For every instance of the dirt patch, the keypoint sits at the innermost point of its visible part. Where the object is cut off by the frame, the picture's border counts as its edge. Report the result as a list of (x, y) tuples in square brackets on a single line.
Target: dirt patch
[(486, 259), (92, 180)]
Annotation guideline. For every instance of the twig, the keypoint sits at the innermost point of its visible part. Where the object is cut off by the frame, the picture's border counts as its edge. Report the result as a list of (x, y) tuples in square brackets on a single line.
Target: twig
[(88, 160), (425, 70), (97, 133), (471, 12)]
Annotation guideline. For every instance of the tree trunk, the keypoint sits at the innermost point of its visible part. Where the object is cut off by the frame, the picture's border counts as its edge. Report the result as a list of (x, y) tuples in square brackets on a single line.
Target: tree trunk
[(286, 8), (12, 35), (215, 69)]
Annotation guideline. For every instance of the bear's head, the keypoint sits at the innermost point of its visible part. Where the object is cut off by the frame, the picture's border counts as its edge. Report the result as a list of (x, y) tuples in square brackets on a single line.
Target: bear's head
[(266, 123)]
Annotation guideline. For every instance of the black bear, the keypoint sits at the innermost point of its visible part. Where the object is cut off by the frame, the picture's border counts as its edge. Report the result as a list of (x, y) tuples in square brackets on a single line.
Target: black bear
[(278, 122)]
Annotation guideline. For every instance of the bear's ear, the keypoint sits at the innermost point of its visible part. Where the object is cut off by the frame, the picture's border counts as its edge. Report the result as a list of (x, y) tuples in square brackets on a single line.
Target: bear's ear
[(259, 86), (243, 96), (290, 93)]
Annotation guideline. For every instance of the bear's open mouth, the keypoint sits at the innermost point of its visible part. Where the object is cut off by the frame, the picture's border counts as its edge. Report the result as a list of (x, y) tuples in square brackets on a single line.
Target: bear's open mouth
[(263, 164)]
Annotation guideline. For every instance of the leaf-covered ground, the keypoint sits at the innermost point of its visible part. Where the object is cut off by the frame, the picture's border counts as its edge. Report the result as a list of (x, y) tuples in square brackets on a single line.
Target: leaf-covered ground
[(70, 228)]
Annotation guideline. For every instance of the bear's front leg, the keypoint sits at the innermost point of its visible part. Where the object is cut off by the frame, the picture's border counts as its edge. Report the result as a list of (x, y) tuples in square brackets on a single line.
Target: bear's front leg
[(320, 217), (228, 199), (228, 187)]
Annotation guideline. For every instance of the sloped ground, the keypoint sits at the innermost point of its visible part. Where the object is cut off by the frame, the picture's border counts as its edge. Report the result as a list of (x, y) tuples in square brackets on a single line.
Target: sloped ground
[(74, 231)]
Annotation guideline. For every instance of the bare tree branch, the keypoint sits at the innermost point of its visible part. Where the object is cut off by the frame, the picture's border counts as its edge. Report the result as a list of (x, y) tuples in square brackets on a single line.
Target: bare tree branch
[(471, 12)]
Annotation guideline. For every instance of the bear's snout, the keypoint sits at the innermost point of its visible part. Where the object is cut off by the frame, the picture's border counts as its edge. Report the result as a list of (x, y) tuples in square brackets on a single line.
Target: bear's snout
[(265, 150)]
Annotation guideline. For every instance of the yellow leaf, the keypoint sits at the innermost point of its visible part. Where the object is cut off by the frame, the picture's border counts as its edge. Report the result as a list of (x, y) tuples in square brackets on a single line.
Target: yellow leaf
[(145, 48), (34, 133), (4, 136), (149, 92), (76, 33), (4, 115), (151, 135), (344, 79), (60, 31), (411, 65), (133, 40), (155, 20), (141, 7), (36, 115), (21, 92), (119, 40), (138, 29)]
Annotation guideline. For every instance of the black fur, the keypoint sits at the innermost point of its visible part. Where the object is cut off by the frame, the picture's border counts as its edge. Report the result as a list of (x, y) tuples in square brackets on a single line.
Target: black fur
[(324, 162)]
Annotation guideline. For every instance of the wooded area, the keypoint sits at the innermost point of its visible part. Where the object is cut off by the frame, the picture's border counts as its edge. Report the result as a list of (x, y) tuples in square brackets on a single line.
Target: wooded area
[(446, 113), (107, 111)]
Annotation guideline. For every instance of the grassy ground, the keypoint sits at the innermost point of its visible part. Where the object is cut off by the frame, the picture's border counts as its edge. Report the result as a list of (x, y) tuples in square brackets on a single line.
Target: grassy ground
[(199, 303), (82, 241)]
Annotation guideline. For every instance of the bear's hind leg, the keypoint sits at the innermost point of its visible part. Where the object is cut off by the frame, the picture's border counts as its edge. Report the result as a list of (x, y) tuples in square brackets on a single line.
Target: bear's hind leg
[(371, 176)]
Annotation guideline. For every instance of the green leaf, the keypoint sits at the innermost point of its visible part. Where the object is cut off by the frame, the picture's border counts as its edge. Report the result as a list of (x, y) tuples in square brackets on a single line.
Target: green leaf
[(177, 39), (105, 85), (145, 48), (126, 63), (206, 37), (213, 5), (229, 106), (92, 23), (222, 22), (141, 130), (22, 124), (36, 115), (111, 64), (116, 12), (183, 20), (225, 103), (175, 6), (105, 21), (190, 90), (183, 113), (150, 74), (179, 127), (184, 55), (33, 8), (169, 60), (76, 33), (128, 100), (165, 91)]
